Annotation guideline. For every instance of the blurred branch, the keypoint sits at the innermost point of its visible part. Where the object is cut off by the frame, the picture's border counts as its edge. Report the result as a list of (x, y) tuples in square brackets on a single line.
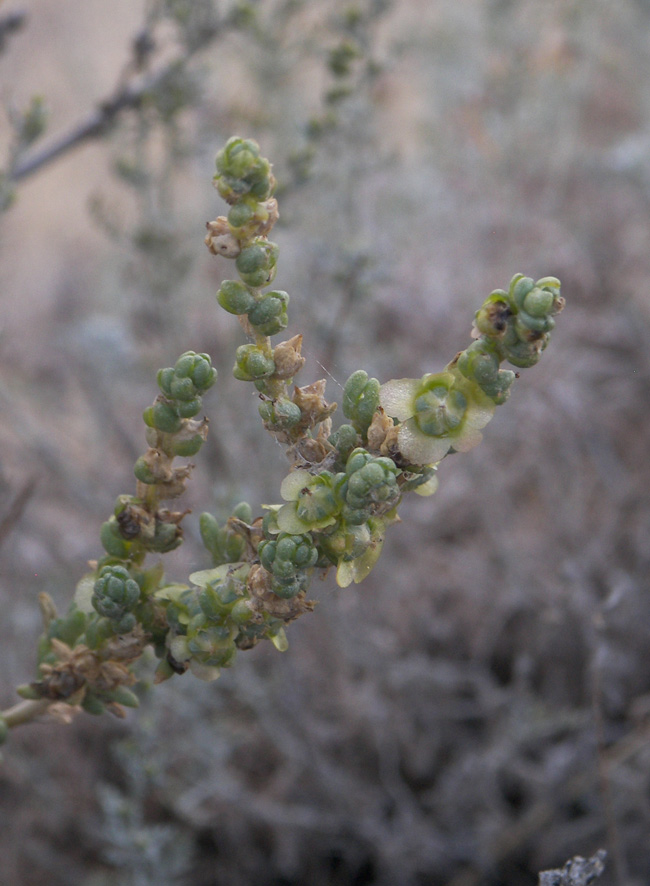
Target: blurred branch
[(9, 24), (96, 124), (128, 95)]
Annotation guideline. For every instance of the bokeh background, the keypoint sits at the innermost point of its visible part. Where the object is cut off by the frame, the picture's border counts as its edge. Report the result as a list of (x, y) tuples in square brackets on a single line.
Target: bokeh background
[(479, 708)]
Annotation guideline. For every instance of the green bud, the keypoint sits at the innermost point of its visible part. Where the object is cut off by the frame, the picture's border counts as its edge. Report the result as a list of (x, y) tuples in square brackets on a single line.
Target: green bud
[(113, 541), (190, 408), (281, 413), (539, 302), (269, 315), (240, 214), (143, 472), (241, 171), (360, 400), (371, 482), (344, 439), (163, 416), (520, 286), (256, 263), (523, 353), (492, 317), (125, 697), (167, 537), (4, 730), (187, 448), (252, 363), (115, 595), (92, 705), (234, 297)]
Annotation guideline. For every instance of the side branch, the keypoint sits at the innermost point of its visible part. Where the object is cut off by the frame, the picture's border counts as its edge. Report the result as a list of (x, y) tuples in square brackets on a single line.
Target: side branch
[(94, 126)]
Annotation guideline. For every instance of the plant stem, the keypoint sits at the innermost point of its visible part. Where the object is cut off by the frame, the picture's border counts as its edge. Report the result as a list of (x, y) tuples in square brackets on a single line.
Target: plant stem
[(25, 711)]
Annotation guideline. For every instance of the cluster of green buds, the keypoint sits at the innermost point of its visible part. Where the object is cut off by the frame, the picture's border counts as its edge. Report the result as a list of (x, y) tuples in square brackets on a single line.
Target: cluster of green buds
[(182, 387), (289, 559), (138, 525), (445, 412), (342, 493), (115, 596), (209, 622), (517, 324)]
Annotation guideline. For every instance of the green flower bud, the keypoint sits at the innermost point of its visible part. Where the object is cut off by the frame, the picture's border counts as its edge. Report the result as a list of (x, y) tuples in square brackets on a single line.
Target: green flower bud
[(281, 413), (252, 363), (113, 541), (125, 697), (256, 263), (539, 302), (187, 448), (163, 416), (167, 537), (240, 214), (360, 400), (225, 544), (520, 287), (143, 472), (115, 595), (198, 368), (492, 317), (93, 705), (234, 297), (523, 353), (480, 363), (371, 481), (346, 542), (288, 557), (241, 171), (241, 613), (189, 408), (269, 315)]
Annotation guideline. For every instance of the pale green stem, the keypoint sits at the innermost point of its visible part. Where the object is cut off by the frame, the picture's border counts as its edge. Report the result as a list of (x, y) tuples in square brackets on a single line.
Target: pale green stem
[(25, 711)]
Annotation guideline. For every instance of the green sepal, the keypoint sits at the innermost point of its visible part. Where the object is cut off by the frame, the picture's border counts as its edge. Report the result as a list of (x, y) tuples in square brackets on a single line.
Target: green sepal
[(235, 298)]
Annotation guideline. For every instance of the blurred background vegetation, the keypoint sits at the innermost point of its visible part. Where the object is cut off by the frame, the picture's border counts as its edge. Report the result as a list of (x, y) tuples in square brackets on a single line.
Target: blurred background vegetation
[(479, 708)]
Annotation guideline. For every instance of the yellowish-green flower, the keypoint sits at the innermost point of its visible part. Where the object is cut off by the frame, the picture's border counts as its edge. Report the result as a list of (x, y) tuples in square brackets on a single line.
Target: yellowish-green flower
[(437, 413)]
